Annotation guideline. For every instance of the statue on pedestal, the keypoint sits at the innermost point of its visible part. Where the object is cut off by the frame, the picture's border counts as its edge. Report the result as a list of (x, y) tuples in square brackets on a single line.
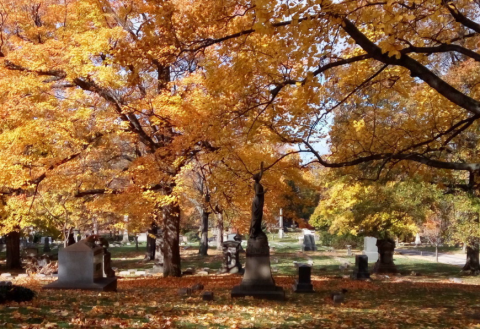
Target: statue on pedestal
[(257, 280), (257, 206)]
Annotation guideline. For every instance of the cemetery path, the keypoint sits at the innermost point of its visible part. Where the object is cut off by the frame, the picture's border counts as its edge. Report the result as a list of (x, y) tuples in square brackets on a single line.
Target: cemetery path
[(452, 259)]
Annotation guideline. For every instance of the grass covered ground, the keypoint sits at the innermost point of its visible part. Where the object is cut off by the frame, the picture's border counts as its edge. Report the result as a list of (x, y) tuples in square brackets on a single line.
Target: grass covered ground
[(429, 300)]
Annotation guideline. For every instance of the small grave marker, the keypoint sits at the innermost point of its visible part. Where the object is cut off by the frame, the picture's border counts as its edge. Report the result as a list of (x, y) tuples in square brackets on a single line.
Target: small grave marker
[(304, 283)]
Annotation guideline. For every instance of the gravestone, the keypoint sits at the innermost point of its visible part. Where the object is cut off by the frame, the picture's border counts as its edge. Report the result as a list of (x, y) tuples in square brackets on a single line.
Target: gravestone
[(385, 263), (81, 266), (304, 282), (370, 249), (349, 250), (280, 224), (361, 268), (231, 237), (308, 241), (418, 241), (231, 259)]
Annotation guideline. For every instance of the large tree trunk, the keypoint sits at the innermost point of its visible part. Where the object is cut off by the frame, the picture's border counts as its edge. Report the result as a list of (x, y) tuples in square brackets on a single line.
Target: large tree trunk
[(220, 230), (13, 251), (171, 240), (472, 263), (151, 237), (204, 234)]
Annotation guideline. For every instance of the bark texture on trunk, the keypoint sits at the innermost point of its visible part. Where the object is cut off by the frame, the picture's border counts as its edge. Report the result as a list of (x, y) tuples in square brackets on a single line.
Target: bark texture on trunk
[(220, 230), (472, 263), (204, 234), (171, 240), (13, 251), (151, 237)]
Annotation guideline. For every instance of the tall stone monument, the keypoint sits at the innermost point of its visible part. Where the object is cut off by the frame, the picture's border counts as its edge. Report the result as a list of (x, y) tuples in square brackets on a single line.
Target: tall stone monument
[(418, 241), (280, 224), (257, 280), (370, 249)]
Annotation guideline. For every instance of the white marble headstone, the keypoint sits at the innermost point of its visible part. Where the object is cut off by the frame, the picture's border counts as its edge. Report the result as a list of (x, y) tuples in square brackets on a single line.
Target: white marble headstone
[(370, 248)]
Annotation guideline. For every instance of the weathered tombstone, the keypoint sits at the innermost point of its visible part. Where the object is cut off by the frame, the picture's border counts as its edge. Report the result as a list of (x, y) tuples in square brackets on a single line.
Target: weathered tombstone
[(125, 231), (361, 268), (304, 282), (280, 224), (257, 280), (231, 259), (349, 250), (370, 248), (81, 266), (308, 241), (385, 263)]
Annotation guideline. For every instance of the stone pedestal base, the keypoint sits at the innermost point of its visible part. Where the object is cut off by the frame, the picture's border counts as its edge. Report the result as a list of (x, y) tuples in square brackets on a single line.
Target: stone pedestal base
[(277, 293), (384, 267), (257, 280), (280, 233), (302, 287), (104, 284)]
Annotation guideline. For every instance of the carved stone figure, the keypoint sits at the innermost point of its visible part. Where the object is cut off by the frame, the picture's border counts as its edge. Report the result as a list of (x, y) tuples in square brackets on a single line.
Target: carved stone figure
[(257, 206)]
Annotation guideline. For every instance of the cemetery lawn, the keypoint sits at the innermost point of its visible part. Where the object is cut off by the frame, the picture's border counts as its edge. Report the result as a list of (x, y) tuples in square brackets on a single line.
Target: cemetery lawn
[(429, 300)]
